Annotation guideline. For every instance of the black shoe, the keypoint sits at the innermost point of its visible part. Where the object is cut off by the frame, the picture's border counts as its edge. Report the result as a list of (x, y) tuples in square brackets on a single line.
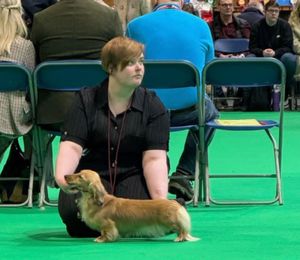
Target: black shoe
[(182, 188)]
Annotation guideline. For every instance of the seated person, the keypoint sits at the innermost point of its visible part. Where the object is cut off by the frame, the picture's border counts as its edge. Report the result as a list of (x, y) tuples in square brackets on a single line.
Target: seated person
[(273, 37), (84, 32), (194, 45), (253, 12), (294, 22), (15, 112), (118, 129), (227, 25)]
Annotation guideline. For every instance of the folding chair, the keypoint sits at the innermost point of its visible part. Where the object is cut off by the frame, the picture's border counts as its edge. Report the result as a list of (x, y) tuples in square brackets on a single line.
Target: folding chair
[(67, 75), (229, 46), (14, 77), (247, 72), (177, 83), (232, 45)]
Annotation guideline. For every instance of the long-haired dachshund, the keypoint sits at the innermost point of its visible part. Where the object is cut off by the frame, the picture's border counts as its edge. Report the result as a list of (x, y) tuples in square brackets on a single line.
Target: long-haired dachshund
[(117, 217)]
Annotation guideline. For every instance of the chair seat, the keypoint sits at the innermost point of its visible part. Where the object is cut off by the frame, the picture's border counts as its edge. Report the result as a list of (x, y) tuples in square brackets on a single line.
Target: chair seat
[(184, 127), (242, 124)]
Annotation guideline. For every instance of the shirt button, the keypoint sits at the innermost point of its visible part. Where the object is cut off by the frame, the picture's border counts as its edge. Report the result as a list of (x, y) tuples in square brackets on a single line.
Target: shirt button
[(112, 148), (113, 165), (116, 128)]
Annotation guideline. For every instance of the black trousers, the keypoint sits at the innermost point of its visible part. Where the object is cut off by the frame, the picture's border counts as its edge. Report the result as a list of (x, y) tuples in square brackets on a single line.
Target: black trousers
[(133, 187)]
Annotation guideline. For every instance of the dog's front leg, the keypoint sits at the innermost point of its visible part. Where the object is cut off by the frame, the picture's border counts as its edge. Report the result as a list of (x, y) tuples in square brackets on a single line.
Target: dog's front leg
[(109, 232)]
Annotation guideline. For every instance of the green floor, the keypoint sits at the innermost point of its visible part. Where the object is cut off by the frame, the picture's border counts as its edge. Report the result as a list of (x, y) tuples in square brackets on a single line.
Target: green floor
[(227, 232)]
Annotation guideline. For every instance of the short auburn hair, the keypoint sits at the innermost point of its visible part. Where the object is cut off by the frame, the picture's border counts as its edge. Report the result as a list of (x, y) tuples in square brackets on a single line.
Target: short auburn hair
[(120, 51)]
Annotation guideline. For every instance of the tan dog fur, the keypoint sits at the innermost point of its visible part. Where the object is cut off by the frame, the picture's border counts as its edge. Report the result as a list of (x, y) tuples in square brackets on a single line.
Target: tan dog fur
[(117, 217)]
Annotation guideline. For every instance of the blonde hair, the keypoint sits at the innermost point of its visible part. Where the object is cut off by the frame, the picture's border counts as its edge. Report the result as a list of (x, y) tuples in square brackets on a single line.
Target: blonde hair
[(11, 24), (119, 52)]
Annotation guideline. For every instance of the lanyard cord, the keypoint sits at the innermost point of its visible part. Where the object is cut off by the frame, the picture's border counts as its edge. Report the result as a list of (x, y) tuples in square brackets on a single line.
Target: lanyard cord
[(114, 165)]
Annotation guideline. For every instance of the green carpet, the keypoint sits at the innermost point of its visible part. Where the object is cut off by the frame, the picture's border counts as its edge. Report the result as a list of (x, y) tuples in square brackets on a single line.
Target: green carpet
[(227, 232)]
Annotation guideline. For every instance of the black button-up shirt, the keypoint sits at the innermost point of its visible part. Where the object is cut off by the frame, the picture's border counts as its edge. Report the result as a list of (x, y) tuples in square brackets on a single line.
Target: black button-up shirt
[(146, 127)]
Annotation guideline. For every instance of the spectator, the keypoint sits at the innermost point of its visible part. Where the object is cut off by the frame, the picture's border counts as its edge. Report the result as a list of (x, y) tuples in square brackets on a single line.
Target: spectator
[(226, 25), (78, 30), (181, 36), (253, 13), (294, 22), (31, 7), (273, 37), (14, 48), (189, 7), (123, 130), (130, 9), (15, 112)]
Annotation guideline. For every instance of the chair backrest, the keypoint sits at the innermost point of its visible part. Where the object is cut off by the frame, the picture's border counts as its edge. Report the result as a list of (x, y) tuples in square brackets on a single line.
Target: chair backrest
[(244, 72), (14, 77), (68, 75), (180, 76), (235, 45)]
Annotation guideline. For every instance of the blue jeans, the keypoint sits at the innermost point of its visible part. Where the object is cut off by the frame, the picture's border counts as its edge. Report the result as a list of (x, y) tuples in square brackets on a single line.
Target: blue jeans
[(187, 160), (289, 61)]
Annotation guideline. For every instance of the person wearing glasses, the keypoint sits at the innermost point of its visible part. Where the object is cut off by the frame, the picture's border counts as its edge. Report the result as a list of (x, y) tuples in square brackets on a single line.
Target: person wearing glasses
[(226, 25), (273, 37)]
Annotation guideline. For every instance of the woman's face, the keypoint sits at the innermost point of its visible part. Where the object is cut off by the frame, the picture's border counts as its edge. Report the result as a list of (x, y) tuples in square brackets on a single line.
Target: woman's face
[(133, 73)]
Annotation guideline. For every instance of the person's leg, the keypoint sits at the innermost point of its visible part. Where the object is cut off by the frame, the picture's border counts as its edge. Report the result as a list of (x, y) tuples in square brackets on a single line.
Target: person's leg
[(289, 61), (5, 142), (186, 166)]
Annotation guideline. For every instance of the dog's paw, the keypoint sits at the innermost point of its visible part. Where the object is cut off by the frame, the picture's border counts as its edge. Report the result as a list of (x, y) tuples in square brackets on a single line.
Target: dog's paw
[(100, 240), (187, 237)]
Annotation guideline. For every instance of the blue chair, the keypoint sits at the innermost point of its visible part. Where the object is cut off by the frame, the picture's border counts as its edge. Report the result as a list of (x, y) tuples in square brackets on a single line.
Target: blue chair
[(247, 72), (67, 75), (14, 77), (232, 45), (177, 83)]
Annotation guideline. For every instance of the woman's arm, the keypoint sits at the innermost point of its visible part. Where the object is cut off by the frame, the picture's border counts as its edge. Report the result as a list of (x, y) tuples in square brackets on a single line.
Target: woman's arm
[(156, 173), (67, 161)]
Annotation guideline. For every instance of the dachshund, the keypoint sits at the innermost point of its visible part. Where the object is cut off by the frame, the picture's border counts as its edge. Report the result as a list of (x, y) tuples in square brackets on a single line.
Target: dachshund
[(117, 217)]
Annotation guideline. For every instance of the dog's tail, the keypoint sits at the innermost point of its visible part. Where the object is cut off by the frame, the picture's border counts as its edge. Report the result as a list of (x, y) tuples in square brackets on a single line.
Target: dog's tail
[(184, 220)]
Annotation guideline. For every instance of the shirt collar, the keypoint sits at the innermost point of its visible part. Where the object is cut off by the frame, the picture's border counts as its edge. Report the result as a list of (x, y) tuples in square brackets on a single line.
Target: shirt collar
[(102, 97)]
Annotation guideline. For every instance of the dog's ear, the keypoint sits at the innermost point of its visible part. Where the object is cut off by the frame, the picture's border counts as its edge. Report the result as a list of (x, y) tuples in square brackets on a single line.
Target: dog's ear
[(98, 191)]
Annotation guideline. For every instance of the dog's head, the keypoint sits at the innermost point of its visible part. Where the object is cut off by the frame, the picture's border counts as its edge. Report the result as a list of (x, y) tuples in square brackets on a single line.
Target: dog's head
[(87, 181)]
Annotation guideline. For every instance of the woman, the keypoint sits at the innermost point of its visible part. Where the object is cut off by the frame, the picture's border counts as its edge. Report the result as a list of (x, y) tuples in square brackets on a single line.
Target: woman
[(118, 129), (14, 48), (294, 21), (15, 112)]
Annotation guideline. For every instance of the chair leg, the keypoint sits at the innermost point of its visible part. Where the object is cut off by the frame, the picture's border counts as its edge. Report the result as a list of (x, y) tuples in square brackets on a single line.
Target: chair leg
[(277, 175), (47, 170), (197, 185)]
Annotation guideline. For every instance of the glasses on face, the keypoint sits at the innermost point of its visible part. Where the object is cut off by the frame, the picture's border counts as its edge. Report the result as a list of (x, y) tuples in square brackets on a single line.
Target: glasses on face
[(226, 5), (273, 11)]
